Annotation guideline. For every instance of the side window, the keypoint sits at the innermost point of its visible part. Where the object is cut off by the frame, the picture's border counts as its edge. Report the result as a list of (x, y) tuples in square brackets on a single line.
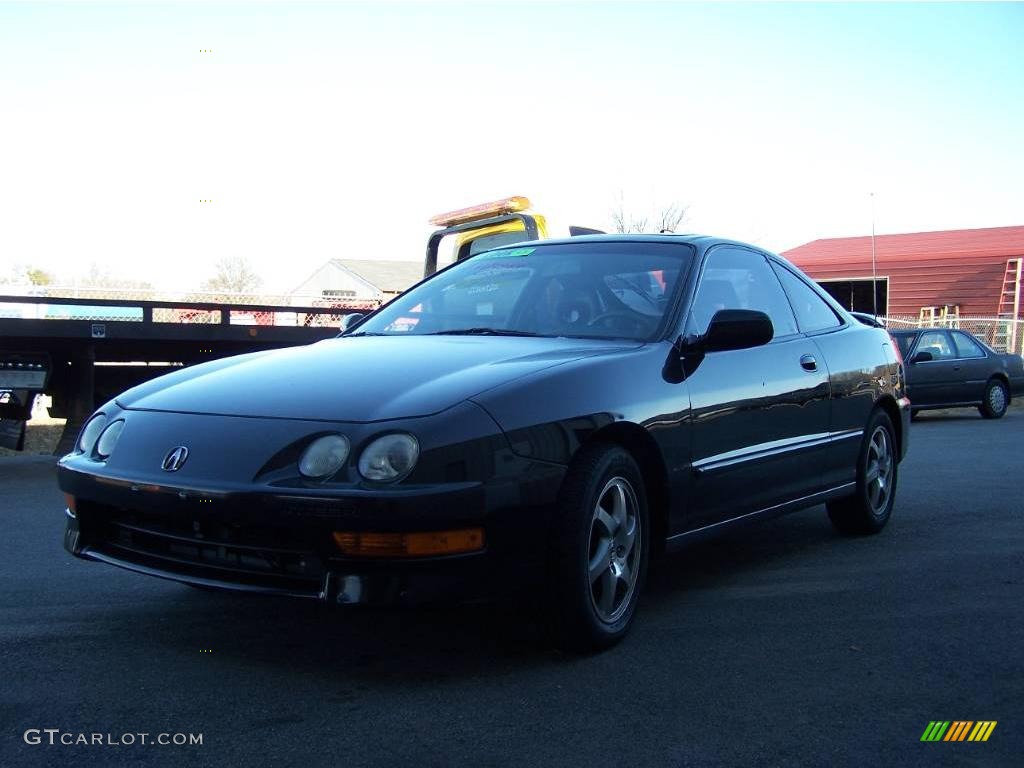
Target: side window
[(966, 346), (812, 313), (905, 340), (738, 279), (936, 342)]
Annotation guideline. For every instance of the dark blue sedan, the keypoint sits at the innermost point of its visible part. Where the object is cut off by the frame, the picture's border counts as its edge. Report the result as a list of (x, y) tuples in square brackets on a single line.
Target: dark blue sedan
[(950, 368)]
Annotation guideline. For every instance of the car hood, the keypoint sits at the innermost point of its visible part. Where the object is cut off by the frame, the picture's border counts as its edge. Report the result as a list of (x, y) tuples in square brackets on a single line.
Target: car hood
[(360, 379)]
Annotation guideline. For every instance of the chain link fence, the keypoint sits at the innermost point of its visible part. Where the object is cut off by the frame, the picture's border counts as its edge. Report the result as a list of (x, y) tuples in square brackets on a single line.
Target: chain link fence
[(1003, 334)]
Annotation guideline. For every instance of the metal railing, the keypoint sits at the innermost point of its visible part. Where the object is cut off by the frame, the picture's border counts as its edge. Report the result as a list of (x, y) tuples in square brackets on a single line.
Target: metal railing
[(102, 306), (160, 295)]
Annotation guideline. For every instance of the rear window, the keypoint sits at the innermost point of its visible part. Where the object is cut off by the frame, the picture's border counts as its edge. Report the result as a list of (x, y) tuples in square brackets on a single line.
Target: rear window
[(485, 243)]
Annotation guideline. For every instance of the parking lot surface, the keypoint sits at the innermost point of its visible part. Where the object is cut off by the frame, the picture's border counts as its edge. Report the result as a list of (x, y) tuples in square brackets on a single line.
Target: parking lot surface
[(781, 644)]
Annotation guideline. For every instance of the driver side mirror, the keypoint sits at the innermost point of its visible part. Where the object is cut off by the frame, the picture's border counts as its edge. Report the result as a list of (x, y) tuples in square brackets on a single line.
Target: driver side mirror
[(349, 320), (736, 329), (922, 357)]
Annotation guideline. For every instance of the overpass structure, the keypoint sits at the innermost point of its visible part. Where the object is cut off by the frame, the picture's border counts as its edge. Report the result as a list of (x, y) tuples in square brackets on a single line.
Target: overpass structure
[(82, 352)]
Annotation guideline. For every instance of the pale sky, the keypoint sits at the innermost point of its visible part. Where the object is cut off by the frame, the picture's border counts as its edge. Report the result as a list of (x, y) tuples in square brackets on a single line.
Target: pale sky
[(335, 130)]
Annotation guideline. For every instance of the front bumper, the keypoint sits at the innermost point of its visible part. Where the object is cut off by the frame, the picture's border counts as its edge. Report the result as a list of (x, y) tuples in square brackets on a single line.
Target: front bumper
[(281, 543)]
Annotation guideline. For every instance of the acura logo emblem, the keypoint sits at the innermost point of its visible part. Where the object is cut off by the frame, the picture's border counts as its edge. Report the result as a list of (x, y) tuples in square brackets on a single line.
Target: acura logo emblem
[(174, 459)]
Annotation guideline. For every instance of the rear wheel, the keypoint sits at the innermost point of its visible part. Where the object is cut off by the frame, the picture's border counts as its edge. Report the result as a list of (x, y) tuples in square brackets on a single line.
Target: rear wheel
[(996, 401), (598, 557), (870, 507)]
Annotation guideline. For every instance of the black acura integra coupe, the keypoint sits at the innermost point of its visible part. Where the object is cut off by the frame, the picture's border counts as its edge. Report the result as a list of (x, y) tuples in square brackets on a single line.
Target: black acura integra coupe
[(539, 419)]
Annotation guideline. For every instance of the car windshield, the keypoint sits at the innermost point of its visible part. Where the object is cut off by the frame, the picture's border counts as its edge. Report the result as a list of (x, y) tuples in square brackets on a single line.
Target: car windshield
[(579, 290)]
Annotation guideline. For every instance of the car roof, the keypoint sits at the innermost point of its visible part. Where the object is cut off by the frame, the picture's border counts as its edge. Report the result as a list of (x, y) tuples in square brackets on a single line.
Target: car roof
[(700, 241)]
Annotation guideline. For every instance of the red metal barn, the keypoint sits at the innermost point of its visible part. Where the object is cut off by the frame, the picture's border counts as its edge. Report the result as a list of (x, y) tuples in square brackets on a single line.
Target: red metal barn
[(964, 271)]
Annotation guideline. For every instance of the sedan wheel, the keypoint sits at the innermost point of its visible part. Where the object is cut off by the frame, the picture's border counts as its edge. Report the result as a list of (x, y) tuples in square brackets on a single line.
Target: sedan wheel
[(598, 554), (996, 401), (870, 506)]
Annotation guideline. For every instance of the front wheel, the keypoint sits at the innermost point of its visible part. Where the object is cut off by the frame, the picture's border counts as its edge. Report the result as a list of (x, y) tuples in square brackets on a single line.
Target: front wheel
[(870, 507), (996, 401), (598, 558)]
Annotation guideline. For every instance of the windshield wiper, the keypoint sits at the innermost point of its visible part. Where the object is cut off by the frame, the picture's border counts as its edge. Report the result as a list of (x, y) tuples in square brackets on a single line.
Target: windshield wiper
[(482, 332)]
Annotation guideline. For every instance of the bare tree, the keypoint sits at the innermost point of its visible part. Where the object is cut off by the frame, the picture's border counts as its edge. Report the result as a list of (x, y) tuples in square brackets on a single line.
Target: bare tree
[(671, 216), (668, 218), (233, 275)]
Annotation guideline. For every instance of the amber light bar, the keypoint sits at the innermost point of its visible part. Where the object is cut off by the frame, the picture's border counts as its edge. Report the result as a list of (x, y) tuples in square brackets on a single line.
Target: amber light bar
[(425, 544), (482, 211)]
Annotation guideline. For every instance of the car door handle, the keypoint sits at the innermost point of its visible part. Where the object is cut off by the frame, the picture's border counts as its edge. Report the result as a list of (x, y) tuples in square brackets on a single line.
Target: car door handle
[(808, 363)]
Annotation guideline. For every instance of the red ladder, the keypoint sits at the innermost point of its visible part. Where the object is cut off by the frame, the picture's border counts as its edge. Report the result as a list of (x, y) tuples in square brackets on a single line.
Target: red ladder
[(1009, 306)]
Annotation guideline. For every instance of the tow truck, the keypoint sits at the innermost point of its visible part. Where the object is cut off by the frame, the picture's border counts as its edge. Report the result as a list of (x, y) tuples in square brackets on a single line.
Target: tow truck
[(489, 225)]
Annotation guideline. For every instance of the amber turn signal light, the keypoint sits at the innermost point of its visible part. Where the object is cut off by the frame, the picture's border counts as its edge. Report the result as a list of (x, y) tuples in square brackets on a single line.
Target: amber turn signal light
[(69, 502), (425, 544)]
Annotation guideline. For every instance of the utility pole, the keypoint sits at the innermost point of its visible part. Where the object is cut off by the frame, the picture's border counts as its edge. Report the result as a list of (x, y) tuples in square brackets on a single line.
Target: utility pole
[(874, 263)]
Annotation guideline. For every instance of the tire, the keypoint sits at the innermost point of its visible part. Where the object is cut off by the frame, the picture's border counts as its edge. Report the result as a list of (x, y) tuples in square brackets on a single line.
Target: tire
[(598, 553), (870, 507), (996, 401)]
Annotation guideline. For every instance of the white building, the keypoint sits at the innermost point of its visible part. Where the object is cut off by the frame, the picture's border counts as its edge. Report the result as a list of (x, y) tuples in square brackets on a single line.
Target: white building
[(359, 280)]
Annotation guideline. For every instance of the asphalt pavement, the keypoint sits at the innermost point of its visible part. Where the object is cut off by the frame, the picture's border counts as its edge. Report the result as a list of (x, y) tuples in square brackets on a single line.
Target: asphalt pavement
[(782, 644)]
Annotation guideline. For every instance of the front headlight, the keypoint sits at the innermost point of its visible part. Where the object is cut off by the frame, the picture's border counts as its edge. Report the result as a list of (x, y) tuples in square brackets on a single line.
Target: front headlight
[(105, 445), (389, 458), (91, 433), (324, 456)]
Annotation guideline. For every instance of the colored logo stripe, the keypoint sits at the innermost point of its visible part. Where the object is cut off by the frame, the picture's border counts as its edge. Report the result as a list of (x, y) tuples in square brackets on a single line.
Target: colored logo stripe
[(982, 730), (958, 730)]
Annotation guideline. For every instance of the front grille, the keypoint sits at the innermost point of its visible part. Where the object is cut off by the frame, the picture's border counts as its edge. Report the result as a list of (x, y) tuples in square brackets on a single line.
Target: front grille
[(256, 556)]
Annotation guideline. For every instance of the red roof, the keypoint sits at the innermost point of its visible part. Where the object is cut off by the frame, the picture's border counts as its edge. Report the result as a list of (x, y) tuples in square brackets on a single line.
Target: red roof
[(961, 244)]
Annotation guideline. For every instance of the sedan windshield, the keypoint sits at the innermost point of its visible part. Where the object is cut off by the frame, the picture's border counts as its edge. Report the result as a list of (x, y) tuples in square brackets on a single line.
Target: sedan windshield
[(578, 290)]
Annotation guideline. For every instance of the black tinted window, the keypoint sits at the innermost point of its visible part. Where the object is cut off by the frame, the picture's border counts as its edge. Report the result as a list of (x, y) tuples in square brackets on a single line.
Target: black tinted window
[(738, 279), (812, 313), (585, 289), (905, 340)]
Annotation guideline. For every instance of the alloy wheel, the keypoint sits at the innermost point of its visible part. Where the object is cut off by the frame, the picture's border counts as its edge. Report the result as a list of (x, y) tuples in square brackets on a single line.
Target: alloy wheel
[(614, 551), (879, 471)]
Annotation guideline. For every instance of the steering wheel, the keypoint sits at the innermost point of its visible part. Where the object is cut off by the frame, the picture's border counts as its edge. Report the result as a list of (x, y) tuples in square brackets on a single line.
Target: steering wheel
[(637, 322)]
